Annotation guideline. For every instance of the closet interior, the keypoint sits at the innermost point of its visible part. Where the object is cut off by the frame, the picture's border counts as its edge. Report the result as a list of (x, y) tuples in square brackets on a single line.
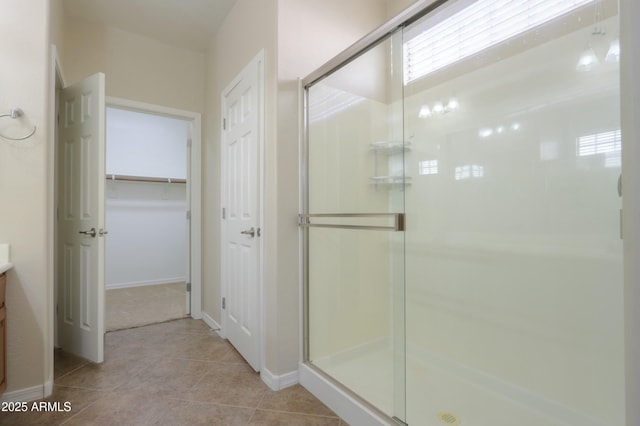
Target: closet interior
[(147, 254)]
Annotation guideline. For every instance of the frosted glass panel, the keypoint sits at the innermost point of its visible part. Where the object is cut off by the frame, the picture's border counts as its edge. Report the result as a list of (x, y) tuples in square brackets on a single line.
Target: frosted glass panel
[(356, 275), (513, 254)]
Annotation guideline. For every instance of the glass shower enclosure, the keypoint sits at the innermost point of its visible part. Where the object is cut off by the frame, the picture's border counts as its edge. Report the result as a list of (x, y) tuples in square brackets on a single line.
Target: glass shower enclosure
[(462, 250)]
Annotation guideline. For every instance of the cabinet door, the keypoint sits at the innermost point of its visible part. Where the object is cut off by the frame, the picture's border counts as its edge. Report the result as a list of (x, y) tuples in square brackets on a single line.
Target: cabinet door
[(3, 346)]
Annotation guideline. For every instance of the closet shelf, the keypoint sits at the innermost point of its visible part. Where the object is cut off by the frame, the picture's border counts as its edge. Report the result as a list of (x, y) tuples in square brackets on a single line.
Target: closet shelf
[(145, 179)]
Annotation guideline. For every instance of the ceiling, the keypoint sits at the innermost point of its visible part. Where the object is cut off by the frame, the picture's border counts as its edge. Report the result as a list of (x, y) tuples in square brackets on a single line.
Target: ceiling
[(188, 24)]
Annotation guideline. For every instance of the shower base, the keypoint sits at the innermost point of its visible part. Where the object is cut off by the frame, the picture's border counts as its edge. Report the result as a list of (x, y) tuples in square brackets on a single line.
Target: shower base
[(440, 393)]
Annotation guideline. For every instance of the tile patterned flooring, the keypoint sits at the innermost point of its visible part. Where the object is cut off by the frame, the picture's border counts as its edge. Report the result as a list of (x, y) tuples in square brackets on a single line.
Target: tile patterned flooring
[(173, 373)]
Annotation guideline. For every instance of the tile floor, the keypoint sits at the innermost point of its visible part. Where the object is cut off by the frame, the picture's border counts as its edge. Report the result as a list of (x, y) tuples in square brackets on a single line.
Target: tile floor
[(174, 373)]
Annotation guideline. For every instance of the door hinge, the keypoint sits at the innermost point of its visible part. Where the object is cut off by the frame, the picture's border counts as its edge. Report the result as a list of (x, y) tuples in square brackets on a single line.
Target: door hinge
[(189, 141), (224, 213), (188, 214), (224, 303), (188, 286), (224, 124)]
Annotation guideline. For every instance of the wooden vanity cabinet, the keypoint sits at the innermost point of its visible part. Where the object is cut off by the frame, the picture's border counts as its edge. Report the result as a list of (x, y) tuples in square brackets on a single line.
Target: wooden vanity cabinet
[(3, 335)]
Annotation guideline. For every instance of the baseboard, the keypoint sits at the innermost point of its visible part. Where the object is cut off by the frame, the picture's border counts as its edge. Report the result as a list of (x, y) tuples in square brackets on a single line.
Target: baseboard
[(145, 283), (25, 395), (212, 324), (280, 382), (48, 388)]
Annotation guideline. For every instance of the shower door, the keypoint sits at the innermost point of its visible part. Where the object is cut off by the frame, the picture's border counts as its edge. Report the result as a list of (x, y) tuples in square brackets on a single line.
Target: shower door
[(513, 249), (354, 221)]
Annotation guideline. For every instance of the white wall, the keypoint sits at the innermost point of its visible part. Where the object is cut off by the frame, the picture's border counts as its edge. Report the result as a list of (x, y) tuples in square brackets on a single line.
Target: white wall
[(147, 242), (24, 186), (136, 67), (147, 238), (140, 144)]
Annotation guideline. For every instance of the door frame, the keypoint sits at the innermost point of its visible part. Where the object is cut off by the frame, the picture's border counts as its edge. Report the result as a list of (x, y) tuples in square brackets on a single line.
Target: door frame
[(258, 62), (194, 184), (56, 82)]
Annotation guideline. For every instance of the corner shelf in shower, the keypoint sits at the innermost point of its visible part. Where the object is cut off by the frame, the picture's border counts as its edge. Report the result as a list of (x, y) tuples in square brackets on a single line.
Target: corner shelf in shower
[(391, 152), (390, 180)]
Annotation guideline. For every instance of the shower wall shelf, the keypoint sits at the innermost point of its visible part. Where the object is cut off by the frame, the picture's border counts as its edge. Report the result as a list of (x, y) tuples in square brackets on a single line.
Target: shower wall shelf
[(390, 180), (390, 147), (391, 153)]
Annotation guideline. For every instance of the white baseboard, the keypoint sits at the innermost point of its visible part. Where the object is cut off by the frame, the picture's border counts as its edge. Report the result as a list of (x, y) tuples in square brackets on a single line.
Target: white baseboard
[(213, 324), (145, 283), (280, 382), (25, 395), (48, 388)]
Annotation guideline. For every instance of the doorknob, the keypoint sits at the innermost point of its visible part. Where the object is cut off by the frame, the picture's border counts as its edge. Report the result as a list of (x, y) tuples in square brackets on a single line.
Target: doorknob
[(251, 232), (102, 232), (91, 232)]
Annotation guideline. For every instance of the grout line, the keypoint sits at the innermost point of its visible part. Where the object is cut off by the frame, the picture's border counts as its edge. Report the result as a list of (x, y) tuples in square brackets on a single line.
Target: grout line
[(70, 371), (264, 393), (104, 390), (81, 411), (255, 410), (300, 413), (218, 404)]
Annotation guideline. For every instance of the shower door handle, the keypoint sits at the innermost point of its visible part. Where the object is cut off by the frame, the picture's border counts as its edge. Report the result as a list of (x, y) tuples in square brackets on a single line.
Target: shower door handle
[(304, 221)]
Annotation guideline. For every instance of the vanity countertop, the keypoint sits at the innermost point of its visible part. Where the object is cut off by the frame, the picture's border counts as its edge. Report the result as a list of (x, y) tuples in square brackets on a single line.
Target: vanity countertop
[(5, 257)]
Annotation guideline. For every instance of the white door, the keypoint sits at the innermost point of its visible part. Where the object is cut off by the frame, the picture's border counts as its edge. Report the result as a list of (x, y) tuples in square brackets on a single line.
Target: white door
[(241, 105), (81, 218)]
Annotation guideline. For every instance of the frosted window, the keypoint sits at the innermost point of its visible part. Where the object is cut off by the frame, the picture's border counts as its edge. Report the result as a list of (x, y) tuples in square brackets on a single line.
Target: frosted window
[(479, 26)]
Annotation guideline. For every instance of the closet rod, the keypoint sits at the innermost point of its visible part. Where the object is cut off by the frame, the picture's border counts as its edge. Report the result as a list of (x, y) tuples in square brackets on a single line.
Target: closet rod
[(145, 179)]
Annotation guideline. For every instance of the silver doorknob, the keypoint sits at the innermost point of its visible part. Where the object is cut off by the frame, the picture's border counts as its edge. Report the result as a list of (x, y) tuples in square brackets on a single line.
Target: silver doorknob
[(102, 232), (91, 232), (251, 232)]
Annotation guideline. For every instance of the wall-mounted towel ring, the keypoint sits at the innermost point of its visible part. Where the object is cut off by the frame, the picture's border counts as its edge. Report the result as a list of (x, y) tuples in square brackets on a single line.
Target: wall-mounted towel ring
[(15, 113)]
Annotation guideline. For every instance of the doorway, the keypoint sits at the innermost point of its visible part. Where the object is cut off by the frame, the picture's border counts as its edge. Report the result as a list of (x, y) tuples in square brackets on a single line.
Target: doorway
[(193, 201), (147, 249)]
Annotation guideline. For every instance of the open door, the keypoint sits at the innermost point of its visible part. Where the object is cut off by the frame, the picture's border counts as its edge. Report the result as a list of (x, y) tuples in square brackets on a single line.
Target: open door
[(81, 218)]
